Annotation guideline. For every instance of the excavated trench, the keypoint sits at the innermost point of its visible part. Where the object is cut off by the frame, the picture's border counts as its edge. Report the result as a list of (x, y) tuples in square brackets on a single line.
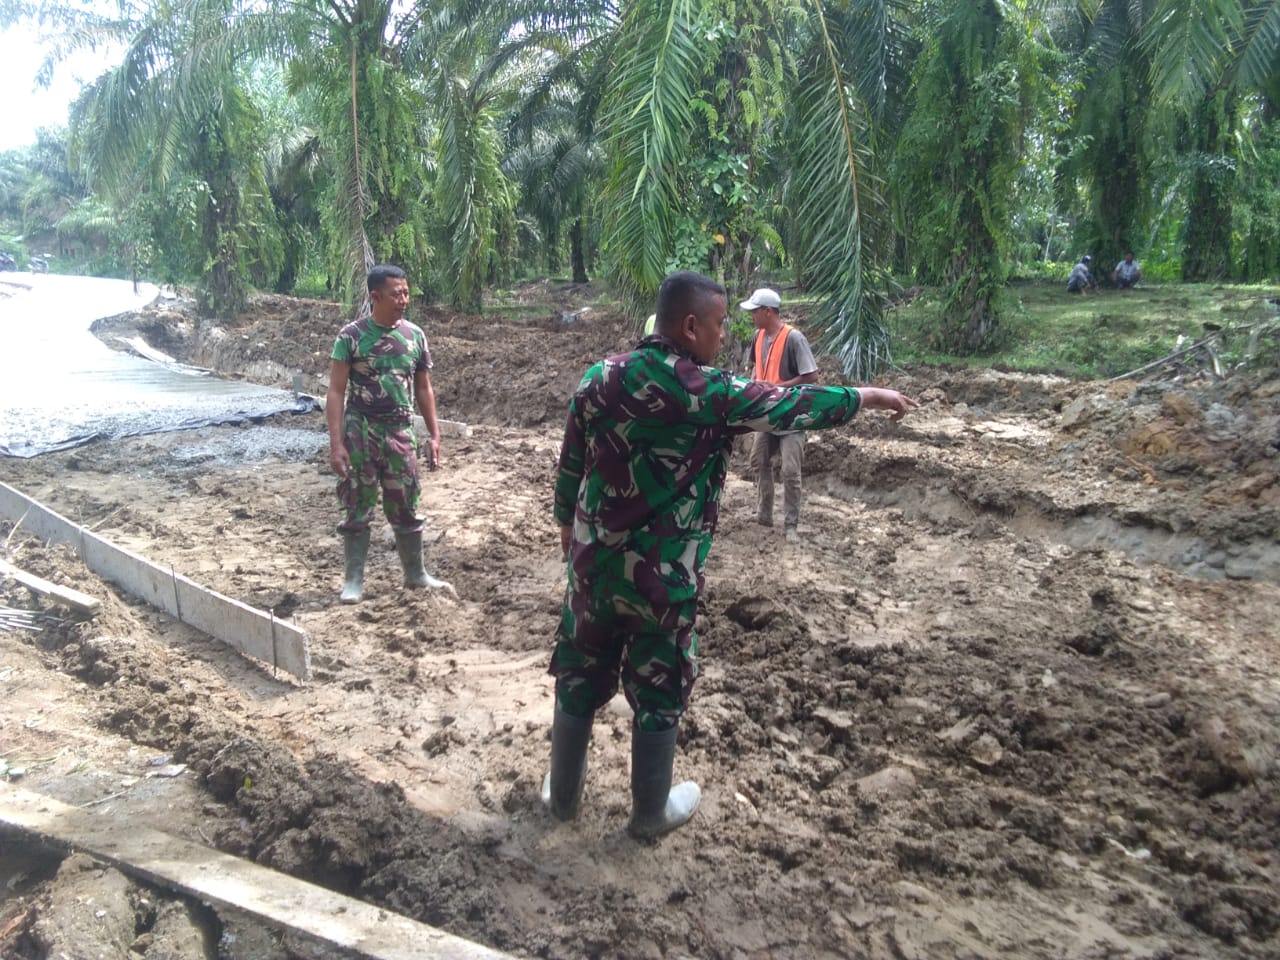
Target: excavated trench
[(935, 502)]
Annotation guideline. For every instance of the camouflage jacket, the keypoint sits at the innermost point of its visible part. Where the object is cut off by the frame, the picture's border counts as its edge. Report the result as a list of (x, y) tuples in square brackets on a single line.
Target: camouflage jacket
[(384, 363), (644, 458)]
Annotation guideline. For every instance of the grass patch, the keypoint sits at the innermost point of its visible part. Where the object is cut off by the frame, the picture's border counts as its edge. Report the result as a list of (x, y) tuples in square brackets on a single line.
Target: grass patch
[(516, 310), (1046, 330)]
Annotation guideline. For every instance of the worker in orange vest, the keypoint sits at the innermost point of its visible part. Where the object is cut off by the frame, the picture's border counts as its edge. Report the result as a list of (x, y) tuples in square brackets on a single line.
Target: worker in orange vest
[(782, 356)]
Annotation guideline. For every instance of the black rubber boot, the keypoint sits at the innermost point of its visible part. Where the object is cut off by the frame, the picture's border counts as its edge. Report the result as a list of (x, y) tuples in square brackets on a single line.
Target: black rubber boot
[(656, 806), (562, 787), (355, 548)]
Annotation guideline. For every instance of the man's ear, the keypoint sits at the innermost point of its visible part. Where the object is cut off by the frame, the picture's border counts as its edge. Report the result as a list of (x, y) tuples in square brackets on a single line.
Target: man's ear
[(689, 327)]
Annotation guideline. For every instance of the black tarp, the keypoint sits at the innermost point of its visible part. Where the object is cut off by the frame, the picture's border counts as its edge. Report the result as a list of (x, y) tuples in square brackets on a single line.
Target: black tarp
[(61, 387)]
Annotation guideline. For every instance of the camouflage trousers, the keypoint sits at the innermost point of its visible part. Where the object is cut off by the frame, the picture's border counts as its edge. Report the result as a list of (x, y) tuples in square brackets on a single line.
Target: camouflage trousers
[(383, 456), (603, 639)]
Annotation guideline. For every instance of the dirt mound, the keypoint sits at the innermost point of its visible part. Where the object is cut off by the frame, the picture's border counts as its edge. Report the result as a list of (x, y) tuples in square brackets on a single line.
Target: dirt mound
[(1013, 695)]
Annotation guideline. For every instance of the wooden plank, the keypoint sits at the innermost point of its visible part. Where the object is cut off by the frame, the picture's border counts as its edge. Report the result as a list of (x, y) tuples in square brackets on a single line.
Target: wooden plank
[(229, 882), (448, 428), (234, 623), (81, 603)]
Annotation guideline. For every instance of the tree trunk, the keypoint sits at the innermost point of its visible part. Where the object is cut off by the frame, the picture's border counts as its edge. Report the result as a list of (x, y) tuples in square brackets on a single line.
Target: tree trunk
[(576, 254), (224, 290), (1206, 251), (974, 273)]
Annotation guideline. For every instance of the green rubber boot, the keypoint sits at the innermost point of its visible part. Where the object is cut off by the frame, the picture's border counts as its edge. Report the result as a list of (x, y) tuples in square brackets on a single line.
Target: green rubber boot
[(409, 546), (355, 548)]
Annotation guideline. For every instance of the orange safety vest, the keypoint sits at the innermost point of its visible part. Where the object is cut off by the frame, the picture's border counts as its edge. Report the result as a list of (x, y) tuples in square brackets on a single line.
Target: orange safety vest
[(770, 370)]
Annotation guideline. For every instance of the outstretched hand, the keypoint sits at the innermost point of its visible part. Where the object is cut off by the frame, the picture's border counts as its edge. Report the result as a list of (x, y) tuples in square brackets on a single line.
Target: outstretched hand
[(878, 398)]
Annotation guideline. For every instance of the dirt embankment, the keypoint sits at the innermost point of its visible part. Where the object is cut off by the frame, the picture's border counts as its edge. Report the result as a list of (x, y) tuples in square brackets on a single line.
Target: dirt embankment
[(1014, 695)]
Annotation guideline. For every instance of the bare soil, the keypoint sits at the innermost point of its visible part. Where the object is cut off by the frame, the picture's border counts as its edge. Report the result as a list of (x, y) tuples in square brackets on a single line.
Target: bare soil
[(1014, 695)]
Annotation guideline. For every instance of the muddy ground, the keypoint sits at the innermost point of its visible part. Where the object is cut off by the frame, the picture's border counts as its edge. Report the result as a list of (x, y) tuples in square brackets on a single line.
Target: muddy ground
[(1015, 694)]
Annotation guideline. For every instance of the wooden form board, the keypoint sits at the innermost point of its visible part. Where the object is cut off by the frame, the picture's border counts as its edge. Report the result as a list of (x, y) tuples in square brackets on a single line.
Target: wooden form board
[(251, 631), (81, 603), (230, 882)]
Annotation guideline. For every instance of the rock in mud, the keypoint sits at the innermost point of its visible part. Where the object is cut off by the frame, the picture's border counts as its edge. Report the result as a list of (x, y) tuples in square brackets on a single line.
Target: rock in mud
[(986, 751), (889, 783), (1218, 761), (1082, 410)]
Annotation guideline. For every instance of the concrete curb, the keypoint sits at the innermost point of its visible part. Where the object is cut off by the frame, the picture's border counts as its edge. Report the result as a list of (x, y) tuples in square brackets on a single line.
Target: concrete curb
[(230, 882), (246, 629)]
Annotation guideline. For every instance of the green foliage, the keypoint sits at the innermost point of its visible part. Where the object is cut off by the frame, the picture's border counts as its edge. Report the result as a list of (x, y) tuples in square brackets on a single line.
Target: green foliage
[(839, 224), (291, 145), (1112, 139), (1256, 205), (1162, 271), (1211, 45), (731, 127), (471, 189), (1041, 271), (1207, 231), (1095, 336), (958, 159), (648, 112), (175, 115), (556, 160)]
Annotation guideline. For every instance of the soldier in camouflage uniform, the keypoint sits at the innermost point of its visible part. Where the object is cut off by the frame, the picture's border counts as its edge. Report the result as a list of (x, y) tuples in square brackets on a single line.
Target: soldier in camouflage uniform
[(643, 461), (380, 366)]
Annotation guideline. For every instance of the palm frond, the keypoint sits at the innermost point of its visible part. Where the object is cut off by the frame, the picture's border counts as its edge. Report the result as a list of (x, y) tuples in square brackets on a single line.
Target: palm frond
[(831, 199), (1258, 46), (1191, 47), (657, 68), (881, 50)]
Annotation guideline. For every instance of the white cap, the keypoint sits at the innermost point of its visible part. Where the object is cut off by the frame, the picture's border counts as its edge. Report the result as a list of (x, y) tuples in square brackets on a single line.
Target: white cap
[(764, 297)]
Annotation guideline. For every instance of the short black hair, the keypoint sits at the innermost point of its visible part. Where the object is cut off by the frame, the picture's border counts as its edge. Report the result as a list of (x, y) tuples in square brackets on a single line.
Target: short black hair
[(685, 292), (383, 272)]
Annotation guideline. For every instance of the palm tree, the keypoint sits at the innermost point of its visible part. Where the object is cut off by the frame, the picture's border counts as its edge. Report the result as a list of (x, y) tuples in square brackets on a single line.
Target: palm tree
[(478, 67), (409, 99), (347, 57), (52, 187), (554, 165), (174, 110), (701, 93), (981, 74), (389, 84), (1209, 59), (555, 154), (1110, 145)]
